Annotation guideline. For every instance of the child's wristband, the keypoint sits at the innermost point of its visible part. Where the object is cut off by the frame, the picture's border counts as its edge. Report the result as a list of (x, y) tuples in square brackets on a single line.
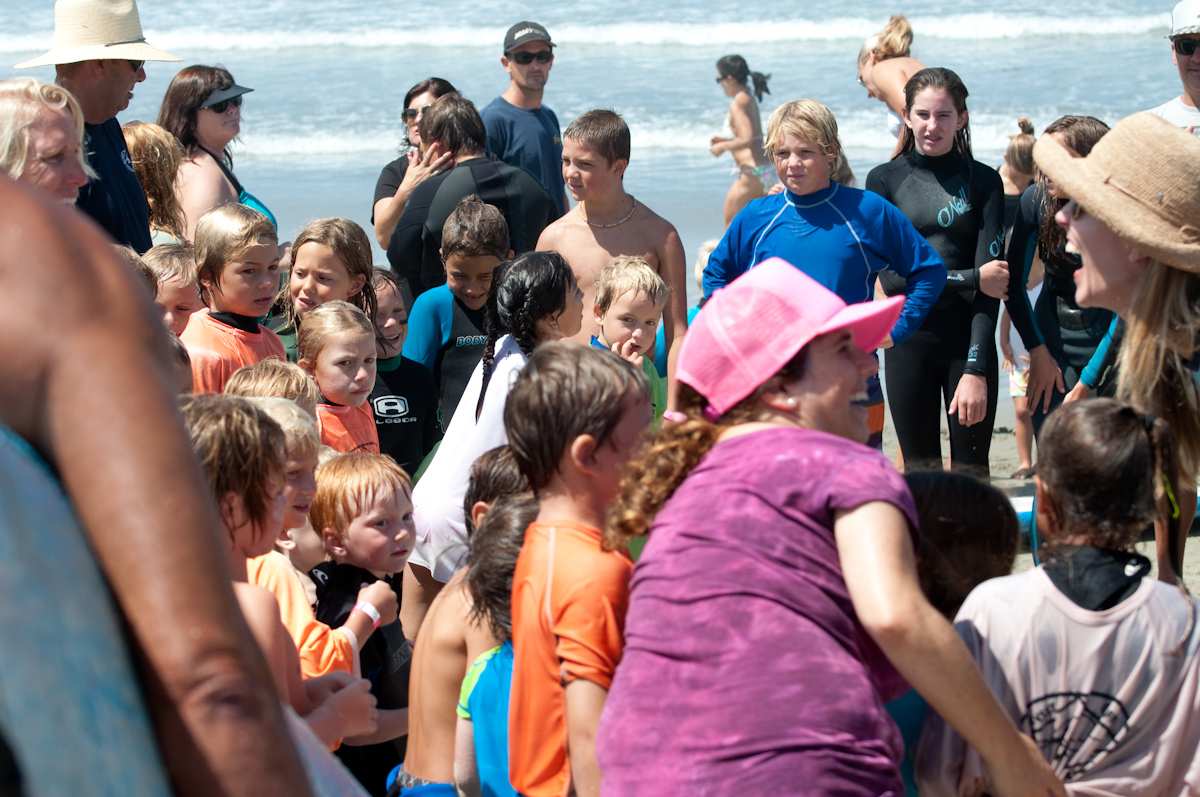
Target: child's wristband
[(351, 637), (369, 611)]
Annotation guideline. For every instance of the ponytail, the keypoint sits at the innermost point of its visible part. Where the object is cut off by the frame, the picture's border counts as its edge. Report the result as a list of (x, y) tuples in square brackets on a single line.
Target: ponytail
[(895, 40), (735, 66), (760, 84), (1166, 487), (1019, 154)]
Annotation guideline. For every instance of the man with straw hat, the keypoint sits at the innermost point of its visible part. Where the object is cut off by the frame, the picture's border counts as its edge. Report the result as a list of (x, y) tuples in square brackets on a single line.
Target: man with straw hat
[(1134, 220), (98, 55)]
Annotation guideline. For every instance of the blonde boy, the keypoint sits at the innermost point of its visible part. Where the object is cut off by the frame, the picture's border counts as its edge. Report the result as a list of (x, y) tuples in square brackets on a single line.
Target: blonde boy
[(630, 299), (178, 292), (278, 379), (237, 262), (363, 511)]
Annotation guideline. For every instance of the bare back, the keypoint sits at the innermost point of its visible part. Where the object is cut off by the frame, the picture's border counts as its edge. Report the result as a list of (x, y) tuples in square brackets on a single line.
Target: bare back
[(890, 76), (587, 249), (745, 122)]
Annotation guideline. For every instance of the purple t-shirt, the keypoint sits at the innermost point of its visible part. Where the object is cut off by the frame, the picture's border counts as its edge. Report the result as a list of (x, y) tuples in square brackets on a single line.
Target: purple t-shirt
[(745, 670)]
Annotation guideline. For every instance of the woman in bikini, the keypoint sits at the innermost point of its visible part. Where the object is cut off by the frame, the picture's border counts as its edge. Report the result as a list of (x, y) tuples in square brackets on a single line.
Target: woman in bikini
[(753, 171)]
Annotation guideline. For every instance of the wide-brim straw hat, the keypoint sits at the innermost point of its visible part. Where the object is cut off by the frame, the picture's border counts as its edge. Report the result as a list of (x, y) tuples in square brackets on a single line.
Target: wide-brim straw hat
[(1142, 180), (93, 30)]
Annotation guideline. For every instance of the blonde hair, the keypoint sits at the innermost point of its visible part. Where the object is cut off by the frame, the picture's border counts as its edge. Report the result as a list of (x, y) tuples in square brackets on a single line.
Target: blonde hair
[(352, 246), (1152, 366), (224, 233), (331, 318), (156, 155), (172, 262), (812, 121), (350, 483), (894, 41), (629, 274), (275, 378), (300, 436), (138, 266), (1019, 155), (22, 99)]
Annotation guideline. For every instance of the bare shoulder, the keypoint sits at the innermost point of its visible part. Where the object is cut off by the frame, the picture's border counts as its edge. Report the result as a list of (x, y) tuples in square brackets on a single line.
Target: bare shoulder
[(560, 229), (447, 612), (663, 231)]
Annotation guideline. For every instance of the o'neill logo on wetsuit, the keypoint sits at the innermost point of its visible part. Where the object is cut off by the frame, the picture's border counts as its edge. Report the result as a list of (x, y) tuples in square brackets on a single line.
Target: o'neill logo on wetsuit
[(958, 206)]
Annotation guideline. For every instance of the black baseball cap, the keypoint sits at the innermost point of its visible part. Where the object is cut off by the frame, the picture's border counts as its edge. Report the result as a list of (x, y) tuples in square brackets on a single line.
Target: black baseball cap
[(220, 95), (523, 33)]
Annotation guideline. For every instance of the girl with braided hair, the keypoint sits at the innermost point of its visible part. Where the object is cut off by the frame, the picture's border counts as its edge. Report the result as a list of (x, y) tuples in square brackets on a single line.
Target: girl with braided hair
[(534, 299)]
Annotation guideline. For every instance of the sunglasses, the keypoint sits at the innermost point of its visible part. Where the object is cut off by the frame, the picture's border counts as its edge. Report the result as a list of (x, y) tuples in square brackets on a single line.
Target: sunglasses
[(412, 114), (223, 105), (136, 65), (1074, 210), (1185, 47), (525, 59)]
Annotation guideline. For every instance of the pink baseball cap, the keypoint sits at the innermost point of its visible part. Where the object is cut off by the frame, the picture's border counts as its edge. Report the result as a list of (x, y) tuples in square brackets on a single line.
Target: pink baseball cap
[(754, 326)]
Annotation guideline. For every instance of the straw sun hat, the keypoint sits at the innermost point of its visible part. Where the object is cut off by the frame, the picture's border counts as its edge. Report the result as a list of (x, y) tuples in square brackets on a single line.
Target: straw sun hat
[(92, 30), (1142, 180)]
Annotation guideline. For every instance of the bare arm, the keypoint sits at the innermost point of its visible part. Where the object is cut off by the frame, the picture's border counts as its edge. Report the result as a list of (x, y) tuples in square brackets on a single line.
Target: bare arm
[(673, 269), (420, 168), (139, 494), (418, 591), (585, 701), (201, 187), (743, 128), (880, 571), (466, 776), (393, 723)]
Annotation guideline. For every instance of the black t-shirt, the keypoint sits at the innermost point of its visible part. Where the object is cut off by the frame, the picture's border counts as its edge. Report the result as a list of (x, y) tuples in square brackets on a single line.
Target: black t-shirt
[(406, 411), (385, 660), (958, 205), (414, 251), (389, 181), (114, 198)]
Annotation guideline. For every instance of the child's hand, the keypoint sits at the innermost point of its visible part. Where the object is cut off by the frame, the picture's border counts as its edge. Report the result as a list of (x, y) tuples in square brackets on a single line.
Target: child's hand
[(383, 598), (1007, 363), (628, 351), (354, 707)]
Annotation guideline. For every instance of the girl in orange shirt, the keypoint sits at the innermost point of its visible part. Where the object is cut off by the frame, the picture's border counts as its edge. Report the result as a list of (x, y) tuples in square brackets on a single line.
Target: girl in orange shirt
[(336, 344)]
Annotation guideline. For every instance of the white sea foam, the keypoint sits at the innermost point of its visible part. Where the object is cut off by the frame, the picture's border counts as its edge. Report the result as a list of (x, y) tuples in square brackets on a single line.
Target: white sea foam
[(970, 27)]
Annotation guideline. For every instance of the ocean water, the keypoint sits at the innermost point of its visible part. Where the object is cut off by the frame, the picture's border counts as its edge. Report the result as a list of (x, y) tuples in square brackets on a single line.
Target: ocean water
[(329, 77)]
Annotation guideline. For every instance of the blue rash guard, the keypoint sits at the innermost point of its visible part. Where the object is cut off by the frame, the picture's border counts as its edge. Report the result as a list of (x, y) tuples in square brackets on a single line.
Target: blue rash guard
[(841, 237), (446, 337)]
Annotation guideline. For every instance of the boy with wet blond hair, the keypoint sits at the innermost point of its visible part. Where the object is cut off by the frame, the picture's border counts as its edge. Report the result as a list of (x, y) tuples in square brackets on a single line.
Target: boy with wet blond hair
[(630, 299), (276, 378), (363, 511)]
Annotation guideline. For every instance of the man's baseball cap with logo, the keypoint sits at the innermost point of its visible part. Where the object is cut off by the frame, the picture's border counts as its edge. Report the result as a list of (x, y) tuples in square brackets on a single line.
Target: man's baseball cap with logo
[(524, 33), (1185, 18)]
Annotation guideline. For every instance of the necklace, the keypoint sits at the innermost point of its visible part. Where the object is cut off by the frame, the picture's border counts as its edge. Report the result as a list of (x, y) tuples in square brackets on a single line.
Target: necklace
[(632, 207)]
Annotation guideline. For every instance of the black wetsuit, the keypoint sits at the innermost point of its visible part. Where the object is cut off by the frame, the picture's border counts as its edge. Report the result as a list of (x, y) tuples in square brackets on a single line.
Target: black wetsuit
[(1069, 332), (958, 205)]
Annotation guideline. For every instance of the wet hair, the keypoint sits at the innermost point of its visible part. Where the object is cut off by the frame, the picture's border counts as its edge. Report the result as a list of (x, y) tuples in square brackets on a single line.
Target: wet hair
[(171, 262), (187, 91), (1019, 154), (320, 323), (604, 131), (735, 66), (1079, 134), (494, 475), (474, 228), (495, 548), (629, 274), (156, 154), (276, 378), (564, 391), (239, 447), (351, 245), (1154, 371), (131, 258), (435, 86), (968, 533), (1105, 468), (223, 234), (812, 121), (894, 41), (348, 484), (525, 290), (656, 471), (300, 435), (453, 122), (386, 278), (936, 77), (22, 99)]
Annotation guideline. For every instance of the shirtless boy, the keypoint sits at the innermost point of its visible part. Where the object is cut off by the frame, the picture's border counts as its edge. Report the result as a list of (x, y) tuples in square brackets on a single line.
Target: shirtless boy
[(608, 222)]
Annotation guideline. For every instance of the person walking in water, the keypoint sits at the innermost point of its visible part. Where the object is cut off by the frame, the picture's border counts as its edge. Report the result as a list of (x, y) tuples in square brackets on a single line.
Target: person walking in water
[(885, 64), (753, 172)]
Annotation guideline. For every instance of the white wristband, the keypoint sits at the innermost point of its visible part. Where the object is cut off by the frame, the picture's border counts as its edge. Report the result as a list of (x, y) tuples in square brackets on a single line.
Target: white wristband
[(369, 611), (351, 637)]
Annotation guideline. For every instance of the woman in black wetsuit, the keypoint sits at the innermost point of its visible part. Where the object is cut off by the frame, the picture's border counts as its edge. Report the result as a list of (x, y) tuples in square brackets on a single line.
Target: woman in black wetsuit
[(958, 205), (1061, 337)]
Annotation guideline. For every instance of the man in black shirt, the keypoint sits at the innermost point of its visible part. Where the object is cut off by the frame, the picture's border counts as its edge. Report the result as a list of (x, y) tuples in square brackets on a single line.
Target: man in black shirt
[(453, 123), (98, 55)]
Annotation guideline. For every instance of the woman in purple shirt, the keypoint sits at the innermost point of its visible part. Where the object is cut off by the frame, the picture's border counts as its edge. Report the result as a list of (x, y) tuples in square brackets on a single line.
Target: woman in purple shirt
[(776, 606)]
